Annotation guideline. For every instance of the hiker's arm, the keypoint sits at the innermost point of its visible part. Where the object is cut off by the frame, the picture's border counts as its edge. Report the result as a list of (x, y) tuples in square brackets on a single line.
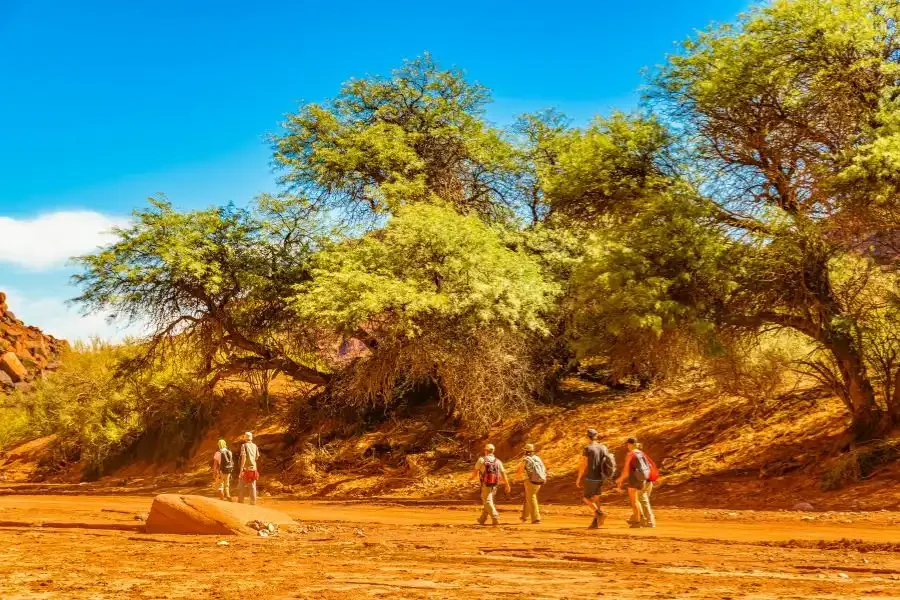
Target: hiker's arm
[(243, 459), (505, 478), (582, 467), (625, 471), (475, 471), (520, 472)]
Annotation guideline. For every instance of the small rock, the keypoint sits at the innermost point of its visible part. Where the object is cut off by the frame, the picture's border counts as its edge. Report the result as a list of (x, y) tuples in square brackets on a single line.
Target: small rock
[(843, 576), (223, 543), (263, 533), (360, 533), (141, 517), (803, 506), (807, 518)]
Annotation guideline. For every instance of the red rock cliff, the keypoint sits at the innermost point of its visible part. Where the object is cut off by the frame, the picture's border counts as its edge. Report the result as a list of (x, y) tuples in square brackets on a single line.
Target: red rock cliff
[(25, 351)]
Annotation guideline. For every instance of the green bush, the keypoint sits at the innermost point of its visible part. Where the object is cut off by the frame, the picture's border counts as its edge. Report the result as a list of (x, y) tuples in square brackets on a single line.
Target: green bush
[(860, 464), (95, 408)]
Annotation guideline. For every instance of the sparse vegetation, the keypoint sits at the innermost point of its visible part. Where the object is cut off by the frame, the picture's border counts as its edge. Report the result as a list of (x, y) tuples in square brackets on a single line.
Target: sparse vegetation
[(738, 225)]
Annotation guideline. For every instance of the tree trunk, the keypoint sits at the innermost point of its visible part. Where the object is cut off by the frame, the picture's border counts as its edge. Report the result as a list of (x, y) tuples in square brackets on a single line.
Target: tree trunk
[(869, 421), (894, 401)]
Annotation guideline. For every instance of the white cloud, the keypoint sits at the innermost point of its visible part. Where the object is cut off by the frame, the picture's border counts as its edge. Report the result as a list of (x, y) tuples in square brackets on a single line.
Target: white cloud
[(54, 317), (50, 240)]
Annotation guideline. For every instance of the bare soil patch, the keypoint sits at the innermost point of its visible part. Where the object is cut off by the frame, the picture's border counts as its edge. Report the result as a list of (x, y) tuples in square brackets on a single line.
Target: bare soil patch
[(346, 550)]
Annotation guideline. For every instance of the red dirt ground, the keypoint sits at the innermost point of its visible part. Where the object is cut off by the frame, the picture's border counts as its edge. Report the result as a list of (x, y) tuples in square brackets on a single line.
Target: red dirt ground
[(91, 547)]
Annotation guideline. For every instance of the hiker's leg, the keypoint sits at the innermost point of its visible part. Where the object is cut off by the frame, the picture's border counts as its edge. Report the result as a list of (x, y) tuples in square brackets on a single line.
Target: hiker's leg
[(228, 486), (644, 498), (527, 512), (535, 508), (490, 502), (241, 488), (592, 503), (253, 492), (485, 511), (636, 516), (525, 507)]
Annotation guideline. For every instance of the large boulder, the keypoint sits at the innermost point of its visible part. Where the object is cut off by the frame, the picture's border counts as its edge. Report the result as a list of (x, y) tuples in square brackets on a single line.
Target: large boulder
[(12, 366), (197, 515)]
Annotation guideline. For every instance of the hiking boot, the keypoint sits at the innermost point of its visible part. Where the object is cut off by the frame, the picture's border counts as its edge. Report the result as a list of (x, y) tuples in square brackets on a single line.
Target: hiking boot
[(495, 522), (600, 518), (633, 525), (480, 522), (648, 525), (535, 522), (594, 524)]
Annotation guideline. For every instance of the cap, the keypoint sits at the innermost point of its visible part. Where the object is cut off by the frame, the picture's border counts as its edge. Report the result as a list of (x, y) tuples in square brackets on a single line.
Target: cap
[(529, 447), (488, 447), (592, 433), (631, 440)]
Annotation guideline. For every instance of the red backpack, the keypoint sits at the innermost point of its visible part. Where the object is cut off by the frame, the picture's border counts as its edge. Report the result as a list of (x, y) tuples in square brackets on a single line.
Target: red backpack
[(654, 472), (491, 475)]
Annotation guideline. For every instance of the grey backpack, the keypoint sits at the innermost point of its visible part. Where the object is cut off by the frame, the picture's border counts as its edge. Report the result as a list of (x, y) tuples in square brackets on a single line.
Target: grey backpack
[(535, 469)]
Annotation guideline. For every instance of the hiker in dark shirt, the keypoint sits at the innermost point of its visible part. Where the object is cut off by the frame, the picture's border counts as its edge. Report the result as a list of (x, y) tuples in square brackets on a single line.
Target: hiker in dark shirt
[(595, 467)]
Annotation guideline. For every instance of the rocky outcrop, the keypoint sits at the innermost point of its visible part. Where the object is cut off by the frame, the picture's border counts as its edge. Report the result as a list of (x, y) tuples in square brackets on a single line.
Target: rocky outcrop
[(197, 515), (25, 351)]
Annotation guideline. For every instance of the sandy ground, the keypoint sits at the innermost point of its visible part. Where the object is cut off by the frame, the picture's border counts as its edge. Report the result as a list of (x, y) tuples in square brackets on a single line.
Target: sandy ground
[(92, 547)]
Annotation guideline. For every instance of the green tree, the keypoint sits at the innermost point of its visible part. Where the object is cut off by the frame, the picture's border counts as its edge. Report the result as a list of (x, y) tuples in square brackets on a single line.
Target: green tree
[(217, 279), (416, 136), (443, 301), (777, 108)]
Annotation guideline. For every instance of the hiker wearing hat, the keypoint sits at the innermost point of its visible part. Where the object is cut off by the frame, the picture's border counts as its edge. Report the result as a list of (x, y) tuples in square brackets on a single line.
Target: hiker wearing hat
[(249, 473), (596, 466), (534, 475), (489, 470), (223, 465), (640, 473)]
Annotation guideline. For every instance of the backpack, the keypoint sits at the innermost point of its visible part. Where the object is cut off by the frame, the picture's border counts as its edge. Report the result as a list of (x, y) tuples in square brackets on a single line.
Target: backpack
[(654, 471), (607, 463), (226, 462), (535, 469), (640, 467), (491, 475)]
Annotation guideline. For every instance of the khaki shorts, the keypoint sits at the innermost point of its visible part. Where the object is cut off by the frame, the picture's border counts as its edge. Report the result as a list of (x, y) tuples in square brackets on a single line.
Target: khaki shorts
[(222, 482)]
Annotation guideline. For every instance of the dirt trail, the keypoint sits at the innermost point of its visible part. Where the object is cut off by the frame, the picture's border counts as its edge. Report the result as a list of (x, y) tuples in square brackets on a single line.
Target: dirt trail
[(88, 548)]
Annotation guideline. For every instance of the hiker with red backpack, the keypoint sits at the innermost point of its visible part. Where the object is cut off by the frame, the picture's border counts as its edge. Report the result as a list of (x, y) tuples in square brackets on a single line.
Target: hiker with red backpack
[(640, 473), (490, 472), (596, 466)]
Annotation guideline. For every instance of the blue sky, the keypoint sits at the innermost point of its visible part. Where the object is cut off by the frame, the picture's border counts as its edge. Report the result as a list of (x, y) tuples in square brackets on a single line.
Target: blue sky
[(104, 103)]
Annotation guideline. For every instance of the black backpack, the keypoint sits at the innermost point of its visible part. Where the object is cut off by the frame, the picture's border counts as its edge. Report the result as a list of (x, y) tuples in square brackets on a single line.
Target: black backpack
[(607, 463), (226, 462)]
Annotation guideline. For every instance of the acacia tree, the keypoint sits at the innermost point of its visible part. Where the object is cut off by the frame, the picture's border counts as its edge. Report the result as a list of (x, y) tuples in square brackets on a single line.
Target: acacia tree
[(445, 302), (418, 135), (776, 108), (218, 280)]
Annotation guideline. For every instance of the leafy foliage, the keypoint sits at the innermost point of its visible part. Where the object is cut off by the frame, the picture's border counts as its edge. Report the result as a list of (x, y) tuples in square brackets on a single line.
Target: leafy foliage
[(442, 300), (95, 411), (386, 142)]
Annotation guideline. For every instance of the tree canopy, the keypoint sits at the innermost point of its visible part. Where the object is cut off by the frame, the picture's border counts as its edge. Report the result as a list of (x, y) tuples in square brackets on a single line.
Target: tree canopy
[(755, 190)]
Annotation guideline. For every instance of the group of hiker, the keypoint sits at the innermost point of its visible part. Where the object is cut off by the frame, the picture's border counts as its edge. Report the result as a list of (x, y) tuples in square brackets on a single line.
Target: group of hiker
[(223, 466), (596, 467)]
